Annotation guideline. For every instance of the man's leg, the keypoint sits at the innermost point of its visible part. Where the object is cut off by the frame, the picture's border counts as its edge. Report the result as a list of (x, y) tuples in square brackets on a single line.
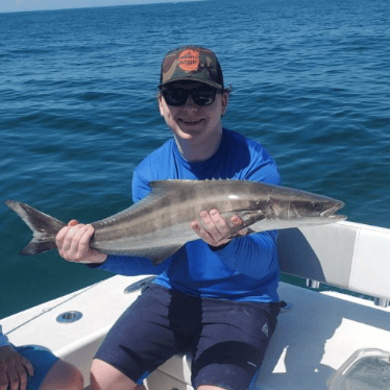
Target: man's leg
[(147, 334), (62, 376), (209, 388), (106, 377), (232, 343)]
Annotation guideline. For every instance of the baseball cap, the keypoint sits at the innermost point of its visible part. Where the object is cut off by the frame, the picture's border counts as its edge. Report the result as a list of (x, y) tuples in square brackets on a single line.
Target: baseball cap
[(191, 63)]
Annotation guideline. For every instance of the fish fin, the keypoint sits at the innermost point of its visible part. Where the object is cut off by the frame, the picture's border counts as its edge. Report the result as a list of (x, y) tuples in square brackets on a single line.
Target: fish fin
[(171, 184), (248, 220), (43, 226), (234, 232), (162, 253), (155, 254)]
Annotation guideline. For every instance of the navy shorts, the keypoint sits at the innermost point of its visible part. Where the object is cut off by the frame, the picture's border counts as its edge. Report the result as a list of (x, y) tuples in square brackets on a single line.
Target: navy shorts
[(228, 339), (41, 359)]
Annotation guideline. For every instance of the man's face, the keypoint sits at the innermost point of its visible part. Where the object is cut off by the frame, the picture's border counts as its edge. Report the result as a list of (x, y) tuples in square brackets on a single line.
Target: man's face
[(191, 121)]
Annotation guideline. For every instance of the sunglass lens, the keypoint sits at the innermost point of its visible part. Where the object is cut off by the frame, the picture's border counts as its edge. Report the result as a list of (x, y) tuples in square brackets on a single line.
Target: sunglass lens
[(178, 96), (175, 96), (204, 97)]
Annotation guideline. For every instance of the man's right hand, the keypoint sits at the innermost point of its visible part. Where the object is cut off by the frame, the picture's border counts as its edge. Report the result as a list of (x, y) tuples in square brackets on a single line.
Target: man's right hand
[(73, 244)]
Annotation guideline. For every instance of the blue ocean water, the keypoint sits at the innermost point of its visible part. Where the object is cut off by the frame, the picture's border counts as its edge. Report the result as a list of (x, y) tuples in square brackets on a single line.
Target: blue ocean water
[(78, 111)]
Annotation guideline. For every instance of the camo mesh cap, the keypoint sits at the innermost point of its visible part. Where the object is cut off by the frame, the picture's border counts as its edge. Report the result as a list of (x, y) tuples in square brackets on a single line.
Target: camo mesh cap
[(191, 63)]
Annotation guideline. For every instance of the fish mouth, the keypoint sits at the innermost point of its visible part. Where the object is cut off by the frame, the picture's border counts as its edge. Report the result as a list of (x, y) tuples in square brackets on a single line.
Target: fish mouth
[(337, 217), (331, 212)]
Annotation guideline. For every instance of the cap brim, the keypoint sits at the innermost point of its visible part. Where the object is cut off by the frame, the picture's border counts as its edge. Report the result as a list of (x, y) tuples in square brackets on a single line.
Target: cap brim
[(193, 79)]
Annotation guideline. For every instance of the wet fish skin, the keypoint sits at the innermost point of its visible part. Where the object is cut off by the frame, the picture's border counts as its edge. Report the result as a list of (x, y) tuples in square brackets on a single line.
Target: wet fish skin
[(159, 225)]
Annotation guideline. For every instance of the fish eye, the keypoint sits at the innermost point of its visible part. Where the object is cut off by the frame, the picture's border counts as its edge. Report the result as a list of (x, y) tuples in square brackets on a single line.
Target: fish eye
[(317, 206)]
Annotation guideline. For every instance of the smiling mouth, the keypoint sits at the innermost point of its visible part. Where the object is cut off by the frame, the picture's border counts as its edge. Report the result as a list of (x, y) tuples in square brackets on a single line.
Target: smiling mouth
[(191, 123)]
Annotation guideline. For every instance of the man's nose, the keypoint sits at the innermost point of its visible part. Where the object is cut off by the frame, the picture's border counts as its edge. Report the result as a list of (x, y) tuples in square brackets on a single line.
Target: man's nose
[(190, 102)]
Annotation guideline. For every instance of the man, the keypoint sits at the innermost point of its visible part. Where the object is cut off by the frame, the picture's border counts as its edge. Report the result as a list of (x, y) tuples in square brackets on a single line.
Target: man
[(215, 295), (35, 368)]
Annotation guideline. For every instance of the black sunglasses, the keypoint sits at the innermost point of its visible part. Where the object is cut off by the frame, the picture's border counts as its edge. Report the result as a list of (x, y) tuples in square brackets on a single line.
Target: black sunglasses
[(202, 96)]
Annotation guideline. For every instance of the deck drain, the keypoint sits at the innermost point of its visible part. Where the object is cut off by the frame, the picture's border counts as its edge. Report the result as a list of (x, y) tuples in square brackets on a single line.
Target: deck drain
[(69, 316), (285, 306)]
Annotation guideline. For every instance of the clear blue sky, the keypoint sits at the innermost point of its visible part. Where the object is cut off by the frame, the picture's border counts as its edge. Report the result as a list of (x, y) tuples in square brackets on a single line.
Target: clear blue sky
[(35, 5)]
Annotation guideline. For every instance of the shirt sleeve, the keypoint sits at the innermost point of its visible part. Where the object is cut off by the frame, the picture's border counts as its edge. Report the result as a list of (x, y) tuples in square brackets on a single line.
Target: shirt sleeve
[(132, 266), (140, 187), (3, 338)]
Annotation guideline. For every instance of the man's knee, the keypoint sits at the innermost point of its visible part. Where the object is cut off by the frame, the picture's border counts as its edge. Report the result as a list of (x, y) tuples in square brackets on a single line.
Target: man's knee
[(106, 377), (63, 376)]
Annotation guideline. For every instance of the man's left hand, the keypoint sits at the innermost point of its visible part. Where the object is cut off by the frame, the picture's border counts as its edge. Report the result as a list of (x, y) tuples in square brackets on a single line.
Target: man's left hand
[(215, 229)]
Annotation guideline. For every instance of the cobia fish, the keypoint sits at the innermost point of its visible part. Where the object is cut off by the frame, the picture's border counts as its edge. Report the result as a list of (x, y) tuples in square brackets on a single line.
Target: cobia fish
[(157, 226)]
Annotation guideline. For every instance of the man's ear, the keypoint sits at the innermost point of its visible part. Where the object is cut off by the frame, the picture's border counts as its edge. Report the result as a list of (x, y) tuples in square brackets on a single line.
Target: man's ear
[(225, 102), (160, 104)]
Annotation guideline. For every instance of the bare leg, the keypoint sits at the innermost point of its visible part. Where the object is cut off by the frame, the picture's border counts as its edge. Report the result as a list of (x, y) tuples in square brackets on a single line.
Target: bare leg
[(106, 377), (209, 388), (62, 376)]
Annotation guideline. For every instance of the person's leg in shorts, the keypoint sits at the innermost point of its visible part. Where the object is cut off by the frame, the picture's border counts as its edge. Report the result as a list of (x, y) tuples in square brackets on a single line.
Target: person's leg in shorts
[(49, 371), (232, 343), (156, 326)]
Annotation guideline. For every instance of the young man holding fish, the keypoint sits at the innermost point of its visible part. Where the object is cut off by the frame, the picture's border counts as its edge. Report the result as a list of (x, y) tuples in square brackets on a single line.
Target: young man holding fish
[(216, 295)]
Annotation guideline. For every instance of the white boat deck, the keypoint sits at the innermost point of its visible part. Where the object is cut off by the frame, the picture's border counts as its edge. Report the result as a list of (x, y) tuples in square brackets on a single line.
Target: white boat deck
[(314, 336), (316, 333)]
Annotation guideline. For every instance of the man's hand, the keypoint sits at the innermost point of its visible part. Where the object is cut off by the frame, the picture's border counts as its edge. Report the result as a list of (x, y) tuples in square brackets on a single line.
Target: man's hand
[(13, 369), (73, 244), (215, 229)]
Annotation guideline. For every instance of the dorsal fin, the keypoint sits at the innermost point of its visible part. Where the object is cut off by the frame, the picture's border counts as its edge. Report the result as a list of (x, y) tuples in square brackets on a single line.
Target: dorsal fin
[(171, 184)]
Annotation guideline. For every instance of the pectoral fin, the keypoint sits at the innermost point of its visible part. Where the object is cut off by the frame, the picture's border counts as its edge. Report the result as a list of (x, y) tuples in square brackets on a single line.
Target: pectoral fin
[(248, 219), (163, 253)]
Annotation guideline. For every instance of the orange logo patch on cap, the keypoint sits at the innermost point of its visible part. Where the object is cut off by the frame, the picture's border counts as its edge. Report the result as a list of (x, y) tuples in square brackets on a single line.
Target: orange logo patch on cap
[(189, 60)]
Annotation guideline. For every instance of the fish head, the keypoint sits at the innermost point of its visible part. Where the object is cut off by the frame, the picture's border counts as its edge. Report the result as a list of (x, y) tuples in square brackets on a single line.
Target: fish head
[(317, 209), (305, 207)]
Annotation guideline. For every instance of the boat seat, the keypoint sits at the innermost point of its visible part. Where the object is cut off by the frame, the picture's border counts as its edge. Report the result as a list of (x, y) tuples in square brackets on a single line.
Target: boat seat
[(347, 255)]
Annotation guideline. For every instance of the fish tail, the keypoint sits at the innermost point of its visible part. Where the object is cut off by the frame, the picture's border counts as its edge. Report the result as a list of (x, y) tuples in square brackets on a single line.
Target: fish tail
[(43, 226)]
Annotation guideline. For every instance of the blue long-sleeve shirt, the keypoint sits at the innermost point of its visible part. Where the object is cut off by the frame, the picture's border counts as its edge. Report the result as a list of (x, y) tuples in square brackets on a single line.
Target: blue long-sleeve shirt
[(246, 269), (3, 338)]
